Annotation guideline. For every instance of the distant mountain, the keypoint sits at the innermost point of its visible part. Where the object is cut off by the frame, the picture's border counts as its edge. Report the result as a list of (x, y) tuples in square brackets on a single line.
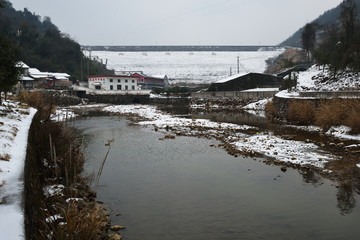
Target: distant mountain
[(43, 46), (328, 18)]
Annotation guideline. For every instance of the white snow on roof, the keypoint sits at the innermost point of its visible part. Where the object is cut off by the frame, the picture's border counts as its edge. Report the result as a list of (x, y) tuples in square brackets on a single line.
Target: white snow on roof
[(21, 65), (231, 77), (26, 78), (35, 73), (163, 76), (262, 90)]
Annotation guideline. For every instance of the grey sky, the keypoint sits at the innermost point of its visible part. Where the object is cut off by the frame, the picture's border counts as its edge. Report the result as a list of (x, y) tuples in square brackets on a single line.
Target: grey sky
[(178, 22)]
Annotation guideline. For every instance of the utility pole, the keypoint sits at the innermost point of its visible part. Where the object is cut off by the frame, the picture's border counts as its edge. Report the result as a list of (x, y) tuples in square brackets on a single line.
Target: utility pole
[(81, 69), (238, 64)]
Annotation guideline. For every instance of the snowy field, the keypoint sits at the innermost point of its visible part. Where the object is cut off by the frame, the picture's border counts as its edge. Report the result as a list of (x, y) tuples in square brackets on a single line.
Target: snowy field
[(187, 66)]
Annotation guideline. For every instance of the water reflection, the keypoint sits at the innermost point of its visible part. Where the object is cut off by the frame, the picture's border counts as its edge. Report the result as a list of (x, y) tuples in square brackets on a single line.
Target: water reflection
[(183, 189), (346, 199)]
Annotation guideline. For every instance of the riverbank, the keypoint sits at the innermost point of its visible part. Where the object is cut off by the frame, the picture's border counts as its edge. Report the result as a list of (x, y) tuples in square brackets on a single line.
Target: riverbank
[(57, 198)]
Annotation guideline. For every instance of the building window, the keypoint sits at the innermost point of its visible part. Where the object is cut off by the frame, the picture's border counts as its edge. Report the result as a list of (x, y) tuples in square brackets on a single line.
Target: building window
[(133, 81), (98, 87), (133, 87), (126, 80), (111, 80), (126, 87), (118, 87), (111, 87), (119, 80)]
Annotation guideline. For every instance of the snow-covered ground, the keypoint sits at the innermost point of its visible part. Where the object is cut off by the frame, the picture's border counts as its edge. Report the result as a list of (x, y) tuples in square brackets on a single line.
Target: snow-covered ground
[(194, 66), (15, 120), (319, 79)]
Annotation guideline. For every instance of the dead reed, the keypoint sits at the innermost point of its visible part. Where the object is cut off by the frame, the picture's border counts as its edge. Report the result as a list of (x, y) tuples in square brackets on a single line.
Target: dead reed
[(73, 224), (301, 112)]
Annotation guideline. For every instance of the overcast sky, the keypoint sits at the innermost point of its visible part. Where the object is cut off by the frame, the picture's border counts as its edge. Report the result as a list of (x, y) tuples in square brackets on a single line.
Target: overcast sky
[(178, 22)]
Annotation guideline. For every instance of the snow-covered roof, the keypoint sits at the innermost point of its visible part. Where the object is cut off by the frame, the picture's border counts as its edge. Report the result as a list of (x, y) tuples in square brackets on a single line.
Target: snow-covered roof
[(262, 90), (21, 65), (231, 77), (163, 76), (26, 78), (35, 73)]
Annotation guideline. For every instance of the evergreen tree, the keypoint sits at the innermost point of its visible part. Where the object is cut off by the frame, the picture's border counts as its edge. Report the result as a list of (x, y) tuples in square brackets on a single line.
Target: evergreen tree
[(308, 38), (9, 73)]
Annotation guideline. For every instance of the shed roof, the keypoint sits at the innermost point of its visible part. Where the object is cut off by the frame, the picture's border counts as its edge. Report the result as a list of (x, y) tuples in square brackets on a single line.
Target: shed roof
[(231, 77)]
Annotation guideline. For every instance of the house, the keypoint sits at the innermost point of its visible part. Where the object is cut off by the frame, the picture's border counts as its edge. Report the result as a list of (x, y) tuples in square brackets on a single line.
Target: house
[(149, 82), (245, 81), (113, 82), (50, 79), (25, 79)]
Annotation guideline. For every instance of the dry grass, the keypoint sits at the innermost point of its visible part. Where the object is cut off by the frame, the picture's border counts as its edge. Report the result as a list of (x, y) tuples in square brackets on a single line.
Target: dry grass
[(5, 157), (74, 224), (270, 110), (45, 105), (339, 112), (301, 112), (353, 117), (331, 114)]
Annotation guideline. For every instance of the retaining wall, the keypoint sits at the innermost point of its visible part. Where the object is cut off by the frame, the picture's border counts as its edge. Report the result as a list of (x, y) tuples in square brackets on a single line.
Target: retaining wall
[(235, 94), (118, 99)]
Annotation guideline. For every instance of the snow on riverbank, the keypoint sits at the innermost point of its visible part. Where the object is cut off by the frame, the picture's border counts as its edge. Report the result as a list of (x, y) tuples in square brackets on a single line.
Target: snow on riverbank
[(15, 121), (295, 152), (289, 151), (160, 119)]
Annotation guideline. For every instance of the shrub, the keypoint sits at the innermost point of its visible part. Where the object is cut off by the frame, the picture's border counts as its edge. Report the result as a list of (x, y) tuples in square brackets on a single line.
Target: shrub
[(270, 110), (353, 117), (331, 114), (301, 112)]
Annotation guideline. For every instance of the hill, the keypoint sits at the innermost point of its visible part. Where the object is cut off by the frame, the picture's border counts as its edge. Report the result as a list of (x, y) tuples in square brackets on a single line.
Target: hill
[(328, 18), (42, 45)]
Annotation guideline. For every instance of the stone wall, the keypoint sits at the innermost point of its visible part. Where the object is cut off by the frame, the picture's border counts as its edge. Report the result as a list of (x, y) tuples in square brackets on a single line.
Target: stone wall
[(282, 104), (171, 101), (118, 99), (333, 94)]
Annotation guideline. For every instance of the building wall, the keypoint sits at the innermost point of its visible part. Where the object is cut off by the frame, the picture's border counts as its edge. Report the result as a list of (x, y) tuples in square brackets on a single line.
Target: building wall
[(113, 83)]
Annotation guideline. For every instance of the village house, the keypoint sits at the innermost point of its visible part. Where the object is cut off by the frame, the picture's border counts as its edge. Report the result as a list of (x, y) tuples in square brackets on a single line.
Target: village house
[(113, 82), (50, 79), (25, 80), (150, 82)]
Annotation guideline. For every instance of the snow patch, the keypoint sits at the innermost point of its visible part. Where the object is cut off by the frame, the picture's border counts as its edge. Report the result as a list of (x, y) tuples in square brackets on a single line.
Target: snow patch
[(53, 190), (290, 151)]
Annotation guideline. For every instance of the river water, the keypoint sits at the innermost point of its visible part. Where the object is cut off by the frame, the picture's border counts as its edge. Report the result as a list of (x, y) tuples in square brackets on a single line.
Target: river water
[(183, 188)]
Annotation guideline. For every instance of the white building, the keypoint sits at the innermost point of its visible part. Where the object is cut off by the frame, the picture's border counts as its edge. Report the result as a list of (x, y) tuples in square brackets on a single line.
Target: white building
[(113, 83)]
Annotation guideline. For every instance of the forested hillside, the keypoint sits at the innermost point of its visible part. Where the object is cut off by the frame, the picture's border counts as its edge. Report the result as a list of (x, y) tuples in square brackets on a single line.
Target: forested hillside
[(42, 45), (330, 17)]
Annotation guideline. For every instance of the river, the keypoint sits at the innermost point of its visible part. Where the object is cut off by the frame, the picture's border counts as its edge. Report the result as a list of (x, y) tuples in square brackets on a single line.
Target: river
[(183, 188)]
